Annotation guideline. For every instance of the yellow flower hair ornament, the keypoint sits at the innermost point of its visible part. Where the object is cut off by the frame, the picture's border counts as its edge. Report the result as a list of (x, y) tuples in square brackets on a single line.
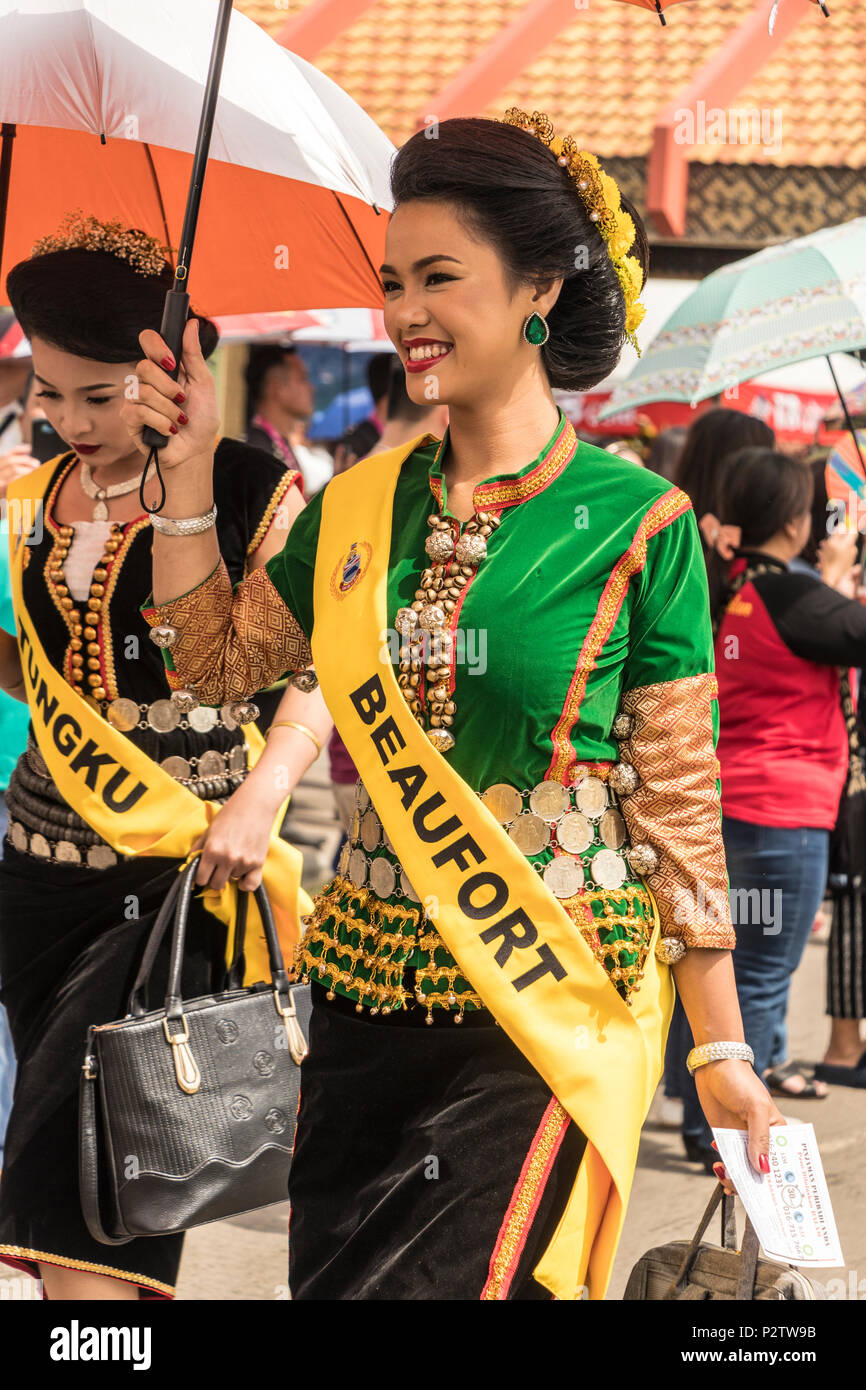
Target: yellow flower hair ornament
[(601, 197), (144, 253)]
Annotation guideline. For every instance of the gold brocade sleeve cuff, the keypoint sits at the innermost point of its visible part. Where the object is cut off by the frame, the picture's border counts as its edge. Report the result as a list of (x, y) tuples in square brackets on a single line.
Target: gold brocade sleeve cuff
[(667, 732), (227, 645)]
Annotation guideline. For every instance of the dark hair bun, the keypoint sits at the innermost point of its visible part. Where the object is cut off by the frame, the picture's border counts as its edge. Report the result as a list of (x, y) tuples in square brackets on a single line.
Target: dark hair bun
[(510, 188), (92, 304)]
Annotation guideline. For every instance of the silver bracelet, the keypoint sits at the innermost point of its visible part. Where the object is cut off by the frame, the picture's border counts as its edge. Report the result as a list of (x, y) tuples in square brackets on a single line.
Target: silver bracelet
[(718, 1052), (187, 526)]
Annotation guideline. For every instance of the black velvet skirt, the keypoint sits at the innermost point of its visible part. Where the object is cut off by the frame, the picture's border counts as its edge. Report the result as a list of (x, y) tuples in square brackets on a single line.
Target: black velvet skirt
[(71, 941), (430, 1162)]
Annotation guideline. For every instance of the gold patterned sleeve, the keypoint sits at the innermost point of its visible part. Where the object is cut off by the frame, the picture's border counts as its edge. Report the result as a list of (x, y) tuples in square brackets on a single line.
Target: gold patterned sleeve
[(668, 727), (227, 645), (675, 809)]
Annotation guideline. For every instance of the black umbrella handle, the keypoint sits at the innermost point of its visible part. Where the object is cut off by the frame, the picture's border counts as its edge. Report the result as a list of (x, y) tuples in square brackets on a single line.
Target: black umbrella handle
[(174, 316), (176, 310)]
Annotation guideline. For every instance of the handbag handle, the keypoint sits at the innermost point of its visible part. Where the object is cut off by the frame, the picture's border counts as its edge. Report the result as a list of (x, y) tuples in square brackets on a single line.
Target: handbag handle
[(749, 1254), (177, 902)]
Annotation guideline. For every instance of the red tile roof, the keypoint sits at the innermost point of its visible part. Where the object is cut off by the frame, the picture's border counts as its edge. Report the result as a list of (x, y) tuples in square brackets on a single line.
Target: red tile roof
[(610, 72)]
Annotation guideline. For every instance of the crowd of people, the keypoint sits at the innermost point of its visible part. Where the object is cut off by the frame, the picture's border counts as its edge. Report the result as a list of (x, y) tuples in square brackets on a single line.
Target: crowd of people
[(658, 760)]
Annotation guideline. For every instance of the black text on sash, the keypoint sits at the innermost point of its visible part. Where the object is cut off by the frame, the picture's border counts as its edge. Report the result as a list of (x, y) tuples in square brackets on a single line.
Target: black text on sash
[(483, 893), (84, 756)]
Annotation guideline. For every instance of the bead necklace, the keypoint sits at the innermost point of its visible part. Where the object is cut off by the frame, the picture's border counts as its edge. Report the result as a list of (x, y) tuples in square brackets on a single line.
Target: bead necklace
[(86, 630), (426, 639)]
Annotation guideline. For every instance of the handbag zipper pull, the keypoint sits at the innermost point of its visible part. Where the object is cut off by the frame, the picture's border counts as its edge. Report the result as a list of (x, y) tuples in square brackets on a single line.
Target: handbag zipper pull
[(297, 1042), (185, 1069)]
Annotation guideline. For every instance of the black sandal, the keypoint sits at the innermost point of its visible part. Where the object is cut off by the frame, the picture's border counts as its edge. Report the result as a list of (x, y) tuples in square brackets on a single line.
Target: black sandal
[(835, 1075), (775, 1078)]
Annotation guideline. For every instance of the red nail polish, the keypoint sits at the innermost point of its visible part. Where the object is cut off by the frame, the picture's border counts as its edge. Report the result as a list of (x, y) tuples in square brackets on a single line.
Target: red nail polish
[(182, 419), (714, 1145), (172, 429), (719, 1170), (179, 398), (763, 1163), (168, 363)]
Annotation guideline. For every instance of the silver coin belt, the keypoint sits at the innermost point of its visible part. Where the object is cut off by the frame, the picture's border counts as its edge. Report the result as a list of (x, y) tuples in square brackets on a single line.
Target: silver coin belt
[(41, 823), (579, 829), (585, 859)]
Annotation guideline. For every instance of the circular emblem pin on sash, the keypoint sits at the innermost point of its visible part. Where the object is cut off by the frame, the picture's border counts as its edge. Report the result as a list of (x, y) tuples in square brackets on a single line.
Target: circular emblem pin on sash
[(549, 800), (503, 802), (563, 876), (530, 833)]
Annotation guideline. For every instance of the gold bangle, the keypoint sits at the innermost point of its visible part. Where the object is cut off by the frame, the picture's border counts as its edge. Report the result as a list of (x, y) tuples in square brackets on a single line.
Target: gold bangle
[(293, 724)]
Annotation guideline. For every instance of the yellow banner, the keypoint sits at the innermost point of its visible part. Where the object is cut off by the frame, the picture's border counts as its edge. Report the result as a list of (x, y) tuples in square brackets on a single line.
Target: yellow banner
[(120, 792), (510, 936)]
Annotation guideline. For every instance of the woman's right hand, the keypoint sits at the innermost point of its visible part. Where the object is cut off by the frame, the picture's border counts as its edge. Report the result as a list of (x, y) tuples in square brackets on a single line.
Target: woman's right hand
[(16, 464), (166, 404)]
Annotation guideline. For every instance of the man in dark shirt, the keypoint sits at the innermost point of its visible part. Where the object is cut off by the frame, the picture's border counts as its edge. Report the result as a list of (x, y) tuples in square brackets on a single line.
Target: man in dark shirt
[(358, 442)]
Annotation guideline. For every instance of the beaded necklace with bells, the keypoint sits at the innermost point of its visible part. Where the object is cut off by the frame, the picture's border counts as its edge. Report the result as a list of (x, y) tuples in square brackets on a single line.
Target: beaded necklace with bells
[(425, 638)]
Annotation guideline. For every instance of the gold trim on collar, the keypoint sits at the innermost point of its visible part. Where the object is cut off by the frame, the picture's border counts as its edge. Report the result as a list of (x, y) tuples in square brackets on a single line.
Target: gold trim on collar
[(508, 491)]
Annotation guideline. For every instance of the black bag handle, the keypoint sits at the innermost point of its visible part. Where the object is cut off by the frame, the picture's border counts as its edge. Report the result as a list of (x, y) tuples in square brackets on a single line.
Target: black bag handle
[(748, 1256), (177, 901)]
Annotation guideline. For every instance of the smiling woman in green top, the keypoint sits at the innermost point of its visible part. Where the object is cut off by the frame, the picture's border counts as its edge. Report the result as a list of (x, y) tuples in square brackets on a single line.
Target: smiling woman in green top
[(511, 630)]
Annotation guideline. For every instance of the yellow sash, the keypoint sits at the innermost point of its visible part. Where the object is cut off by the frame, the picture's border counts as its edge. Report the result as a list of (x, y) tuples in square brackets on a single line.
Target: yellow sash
[(124, 795), (511, 937)]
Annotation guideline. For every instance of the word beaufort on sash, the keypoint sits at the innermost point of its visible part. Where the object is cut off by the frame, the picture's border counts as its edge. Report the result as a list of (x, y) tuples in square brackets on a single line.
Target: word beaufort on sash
[(120, 792), (511, 937)]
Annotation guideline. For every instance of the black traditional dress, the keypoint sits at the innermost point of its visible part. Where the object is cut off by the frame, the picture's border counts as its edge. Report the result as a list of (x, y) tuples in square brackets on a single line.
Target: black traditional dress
[(74, 915)]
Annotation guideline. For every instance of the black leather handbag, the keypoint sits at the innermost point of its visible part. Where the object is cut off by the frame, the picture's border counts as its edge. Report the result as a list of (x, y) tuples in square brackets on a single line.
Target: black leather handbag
[(188, 1111)]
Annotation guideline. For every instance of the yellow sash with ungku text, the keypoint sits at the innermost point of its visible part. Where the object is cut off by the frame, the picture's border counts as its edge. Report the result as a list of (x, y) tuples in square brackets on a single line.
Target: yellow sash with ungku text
[(120, 792), (510, 936)]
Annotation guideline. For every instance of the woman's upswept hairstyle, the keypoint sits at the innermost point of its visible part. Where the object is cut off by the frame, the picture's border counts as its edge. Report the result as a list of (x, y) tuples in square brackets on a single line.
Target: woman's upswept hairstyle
[(92, 304), (509, 189)]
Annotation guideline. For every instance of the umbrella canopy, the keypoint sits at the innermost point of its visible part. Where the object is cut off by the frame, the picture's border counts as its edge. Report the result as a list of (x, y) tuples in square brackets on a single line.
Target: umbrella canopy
[(856, 402), (789, 303), (105, 99), (360, 330), (844, 471)]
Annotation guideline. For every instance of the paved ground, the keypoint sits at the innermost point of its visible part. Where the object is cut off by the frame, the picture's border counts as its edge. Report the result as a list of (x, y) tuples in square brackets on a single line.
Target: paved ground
[(245, 1258)]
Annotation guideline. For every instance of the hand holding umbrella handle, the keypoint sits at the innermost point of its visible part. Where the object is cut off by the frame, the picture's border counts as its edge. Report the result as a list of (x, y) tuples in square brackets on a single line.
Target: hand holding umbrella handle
[(174, 316)]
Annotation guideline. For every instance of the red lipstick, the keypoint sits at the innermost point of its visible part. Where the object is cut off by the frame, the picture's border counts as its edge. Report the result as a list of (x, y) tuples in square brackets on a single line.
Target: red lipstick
[(86, 448), (423, 363)]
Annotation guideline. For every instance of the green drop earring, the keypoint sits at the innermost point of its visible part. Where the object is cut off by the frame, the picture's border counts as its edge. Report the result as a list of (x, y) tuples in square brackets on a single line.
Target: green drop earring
[(535, 330)]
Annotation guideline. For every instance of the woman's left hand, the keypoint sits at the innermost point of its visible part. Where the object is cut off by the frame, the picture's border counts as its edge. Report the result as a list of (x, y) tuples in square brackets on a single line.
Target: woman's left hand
[(235, 845), (733, 1096)]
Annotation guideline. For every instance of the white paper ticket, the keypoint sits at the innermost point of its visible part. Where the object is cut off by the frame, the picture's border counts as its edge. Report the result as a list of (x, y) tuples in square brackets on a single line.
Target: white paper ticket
[(789, 1207)]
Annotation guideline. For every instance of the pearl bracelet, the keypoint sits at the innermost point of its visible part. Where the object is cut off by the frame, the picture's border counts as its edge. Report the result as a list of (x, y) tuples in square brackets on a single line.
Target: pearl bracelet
[(718, 1052), (186, 526)]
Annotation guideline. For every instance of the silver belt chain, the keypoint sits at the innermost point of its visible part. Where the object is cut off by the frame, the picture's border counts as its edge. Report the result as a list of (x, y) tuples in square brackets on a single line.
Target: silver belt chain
[(582, 824)]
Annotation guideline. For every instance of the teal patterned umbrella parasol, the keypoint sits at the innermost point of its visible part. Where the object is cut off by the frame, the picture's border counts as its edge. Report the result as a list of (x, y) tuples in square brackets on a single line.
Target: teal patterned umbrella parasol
[(788, 303)]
